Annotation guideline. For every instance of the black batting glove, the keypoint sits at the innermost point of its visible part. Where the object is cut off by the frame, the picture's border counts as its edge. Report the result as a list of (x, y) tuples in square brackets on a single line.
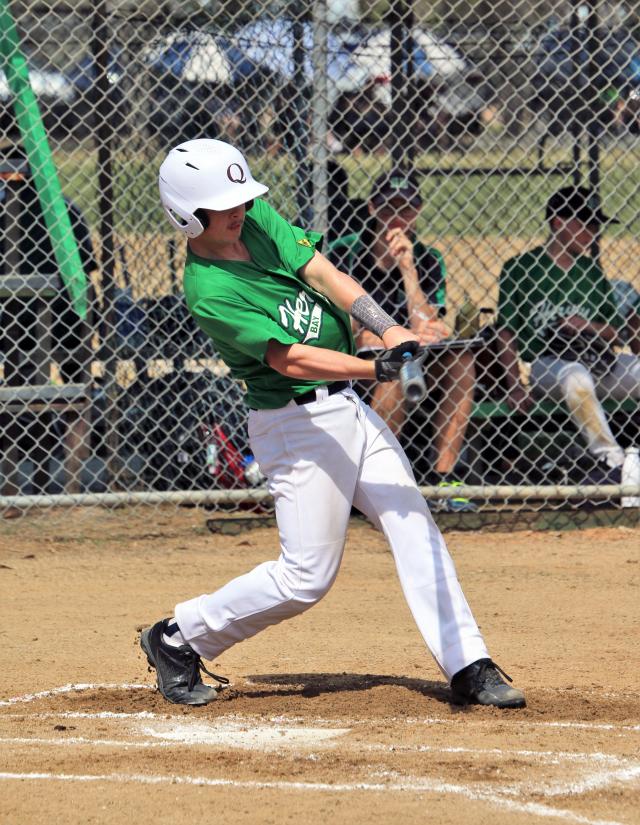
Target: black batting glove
[(389, 364)]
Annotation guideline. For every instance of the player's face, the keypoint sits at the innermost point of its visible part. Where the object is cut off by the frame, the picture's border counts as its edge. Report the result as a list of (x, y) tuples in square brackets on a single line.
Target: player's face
[(225, 226), (395, 214), (576, 237)]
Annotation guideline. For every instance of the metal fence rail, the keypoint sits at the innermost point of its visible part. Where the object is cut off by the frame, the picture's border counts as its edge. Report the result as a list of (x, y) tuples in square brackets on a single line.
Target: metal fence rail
[(486, 119)]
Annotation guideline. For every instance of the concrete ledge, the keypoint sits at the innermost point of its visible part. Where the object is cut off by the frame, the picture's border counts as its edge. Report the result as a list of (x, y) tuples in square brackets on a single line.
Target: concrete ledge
[(499, 521)]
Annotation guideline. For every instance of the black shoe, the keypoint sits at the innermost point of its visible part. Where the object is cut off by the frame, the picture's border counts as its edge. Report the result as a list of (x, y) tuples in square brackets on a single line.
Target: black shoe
[(480, 683), (178, 669)]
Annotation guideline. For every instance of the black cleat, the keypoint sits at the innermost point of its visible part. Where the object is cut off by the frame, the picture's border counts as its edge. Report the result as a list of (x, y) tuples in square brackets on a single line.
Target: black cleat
[(480, 683), (178, 669)]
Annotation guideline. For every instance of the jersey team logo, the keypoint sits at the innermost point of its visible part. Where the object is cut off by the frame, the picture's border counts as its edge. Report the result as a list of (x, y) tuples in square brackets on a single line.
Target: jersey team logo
[(305, 317), (545, 313), (305, 242)]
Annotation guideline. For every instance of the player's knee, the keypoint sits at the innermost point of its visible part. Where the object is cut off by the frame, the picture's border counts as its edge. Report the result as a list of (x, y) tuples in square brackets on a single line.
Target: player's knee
[(314, 590), (309, 586), (577, 382)]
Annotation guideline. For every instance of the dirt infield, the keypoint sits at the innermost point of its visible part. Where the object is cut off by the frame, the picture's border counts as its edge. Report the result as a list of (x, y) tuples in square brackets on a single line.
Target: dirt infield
[(339, 715)]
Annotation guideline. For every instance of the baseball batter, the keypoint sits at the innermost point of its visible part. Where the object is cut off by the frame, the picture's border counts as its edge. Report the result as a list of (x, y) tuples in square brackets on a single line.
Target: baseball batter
[(278, 313)]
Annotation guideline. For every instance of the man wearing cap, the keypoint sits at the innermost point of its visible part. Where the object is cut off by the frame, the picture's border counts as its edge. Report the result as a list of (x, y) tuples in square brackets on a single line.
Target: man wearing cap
[(558, 311), (408, 279)]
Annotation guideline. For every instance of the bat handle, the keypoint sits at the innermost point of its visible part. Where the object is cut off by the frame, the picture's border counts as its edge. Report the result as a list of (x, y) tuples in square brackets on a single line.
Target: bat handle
[(412, 381)]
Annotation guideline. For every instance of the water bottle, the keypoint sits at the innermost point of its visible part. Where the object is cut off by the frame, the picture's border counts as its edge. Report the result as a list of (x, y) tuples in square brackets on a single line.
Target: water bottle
[(631, 475), (252, 474), (211, 460), (212, 456)]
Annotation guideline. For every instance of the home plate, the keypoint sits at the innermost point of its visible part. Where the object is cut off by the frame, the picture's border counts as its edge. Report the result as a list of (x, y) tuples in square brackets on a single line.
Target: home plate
[(238, 734)]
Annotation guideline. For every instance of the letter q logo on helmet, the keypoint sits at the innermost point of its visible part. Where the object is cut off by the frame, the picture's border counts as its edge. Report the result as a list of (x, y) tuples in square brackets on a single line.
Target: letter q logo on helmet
[(236, 174), (204, 174)]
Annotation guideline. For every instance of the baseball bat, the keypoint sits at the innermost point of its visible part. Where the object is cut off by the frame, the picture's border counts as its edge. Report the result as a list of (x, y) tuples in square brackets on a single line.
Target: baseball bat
[(412, 381)]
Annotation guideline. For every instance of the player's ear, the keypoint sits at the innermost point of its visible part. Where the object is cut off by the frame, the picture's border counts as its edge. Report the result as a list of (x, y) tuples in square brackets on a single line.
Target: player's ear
[(202, 216)]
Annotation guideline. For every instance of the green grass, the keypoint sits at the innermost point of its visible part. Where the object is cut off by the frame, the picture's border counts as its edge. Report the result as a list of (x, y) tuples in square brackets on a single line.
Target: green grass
[(495, 204), (474, 205)]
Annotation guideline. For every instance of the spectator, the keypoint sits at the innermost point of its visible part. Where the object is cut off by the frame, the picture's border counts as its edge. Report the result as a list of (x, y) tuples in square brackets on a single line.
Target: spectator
[(558, 311), (408, 280)]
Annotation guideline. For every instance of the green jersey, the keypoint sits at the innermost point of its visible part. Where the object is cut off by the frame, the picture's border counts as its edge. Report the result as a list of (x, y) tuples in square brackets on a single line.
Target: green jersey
[(242, 305), (534, 292)]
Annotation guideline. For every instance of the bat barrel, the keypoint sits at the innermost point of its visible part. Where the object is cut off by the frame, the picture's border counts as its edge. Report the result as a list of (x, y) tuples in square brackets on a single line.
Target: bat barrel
[(412, 382)]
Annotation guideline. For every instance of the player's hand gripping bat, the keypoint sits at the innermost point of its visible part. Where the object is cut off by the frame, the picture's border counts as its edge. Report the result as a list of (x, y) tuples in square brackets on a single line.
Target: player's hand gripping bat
[(404, 363)]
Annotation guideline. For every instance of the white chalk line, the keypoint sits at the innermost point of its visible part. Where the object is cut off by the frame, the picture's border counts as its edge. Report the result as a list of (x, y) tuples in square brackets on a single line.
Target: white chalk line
[(479, 720), (83, 740), (586, 725), (70, 688), (594, 782), (542, 756), (81, 714), (409, 785), (556, 756), (467, 720)]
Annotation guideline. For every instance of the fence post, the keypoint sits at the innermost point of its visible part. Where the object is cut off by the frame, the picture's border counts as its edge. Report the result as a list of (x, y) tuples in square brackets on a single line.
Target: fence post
[(319, 118), (402, 81), (106, 202), (300, 109), (575, 127), (594, 127)]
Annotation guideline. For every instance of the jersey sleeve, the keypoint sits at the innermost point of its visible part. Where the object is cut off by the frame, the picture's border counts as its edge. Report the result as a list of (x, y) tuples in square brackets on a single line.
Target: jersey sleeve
[(296, 246), (234, 324)]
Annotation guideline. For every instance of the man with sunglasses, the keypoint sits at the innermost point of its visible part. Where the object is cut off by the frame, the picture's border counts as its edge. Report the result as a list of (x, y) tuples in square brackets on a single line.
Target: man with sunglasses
[(407, 278)]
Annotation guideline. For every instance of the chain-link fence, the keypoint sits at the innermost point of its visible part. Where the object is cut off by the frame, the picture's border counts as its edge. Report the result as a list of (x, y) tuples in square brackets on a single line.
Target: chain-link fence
[(448, 126)]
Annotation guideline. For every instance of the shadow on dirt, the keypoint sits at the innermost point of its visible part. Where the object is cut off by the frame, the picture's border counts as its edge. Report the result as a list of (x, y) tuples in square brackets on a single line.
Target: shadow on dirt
[(310, 685)]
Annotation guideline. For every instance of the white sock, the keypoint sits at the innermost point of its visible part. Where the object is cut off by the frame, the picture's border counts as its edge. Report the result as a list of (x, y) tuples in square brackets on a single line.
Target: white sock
[(172, 635), (615, 458)]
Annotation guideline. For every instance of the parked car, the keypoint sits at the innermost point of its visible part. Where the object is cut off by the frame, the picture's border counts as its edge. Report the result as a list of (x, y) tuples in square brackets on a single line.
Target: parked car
[(54, 92)]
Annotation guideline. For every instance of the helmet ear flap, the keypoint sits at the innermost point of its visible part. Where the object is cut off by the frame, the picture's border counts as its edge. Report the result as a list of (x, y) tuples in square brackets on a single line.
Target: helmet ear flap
[(179, 214), (202, 216)]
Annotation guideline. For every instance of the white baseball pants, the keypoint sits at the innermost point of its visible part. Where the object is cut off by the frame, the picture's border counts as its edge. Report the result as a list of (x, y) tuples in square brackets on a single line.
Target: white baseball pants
[(572, 383), (320, 459)]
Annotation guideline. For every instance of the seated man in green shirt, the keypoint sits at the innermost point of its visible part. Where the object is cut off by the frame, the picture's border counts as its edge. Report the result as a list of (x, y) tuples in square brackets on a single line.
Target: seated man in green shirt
[(407, 278), (558, 311)]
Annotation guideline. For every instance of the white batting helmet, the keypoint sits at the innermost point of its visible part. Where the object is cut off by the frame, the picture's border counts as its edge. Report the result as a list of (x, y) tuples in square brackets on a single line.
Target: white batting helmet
[(204, 174)]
